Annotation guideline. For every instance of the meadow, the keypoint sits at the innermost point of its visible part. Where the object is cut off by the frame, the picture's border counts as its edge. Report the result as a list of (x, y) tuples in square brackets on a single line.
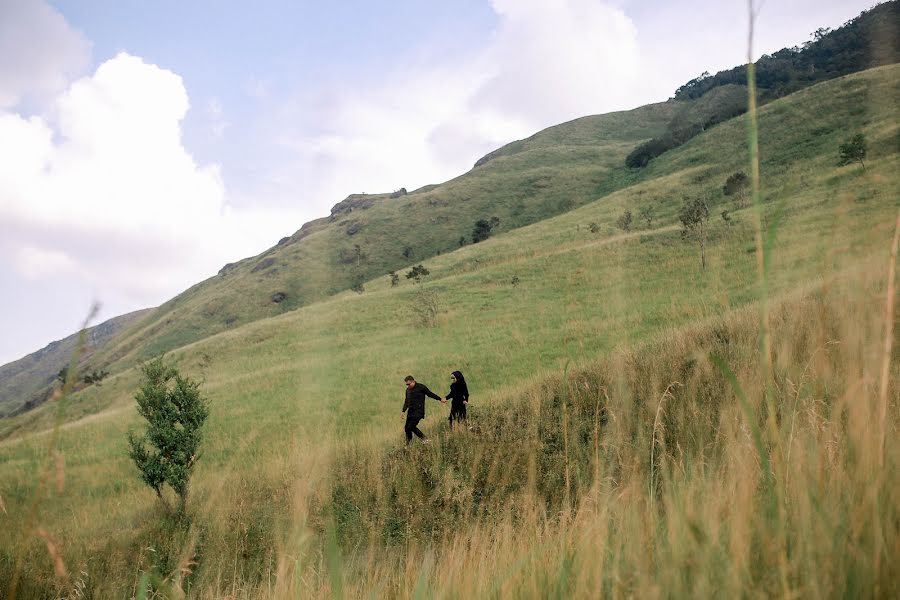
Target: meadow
[(611, 452)]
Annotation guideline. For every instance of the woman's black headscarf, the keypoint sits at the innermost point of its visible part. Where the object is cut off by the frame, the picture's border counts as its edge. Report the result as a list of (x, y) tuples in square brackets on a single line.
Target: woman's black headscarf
[(459, 384)]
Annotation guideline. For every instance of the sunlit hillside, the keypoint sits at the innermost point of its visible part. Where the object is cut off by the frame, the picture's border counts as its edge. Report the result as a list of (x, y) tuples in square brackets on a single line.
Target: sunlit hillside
[(611, 447)]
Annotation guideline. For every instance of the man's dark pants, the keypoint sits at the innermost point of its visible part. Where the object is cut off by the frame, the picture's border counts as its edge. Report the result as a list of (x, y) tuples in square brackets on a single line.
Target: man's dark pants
[(412, 428)]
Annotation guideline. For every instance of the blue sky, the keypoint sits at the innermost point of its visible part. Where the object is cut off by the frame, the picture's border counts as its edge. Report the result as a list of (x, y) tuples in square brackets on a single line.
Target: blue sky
[(145, 144)]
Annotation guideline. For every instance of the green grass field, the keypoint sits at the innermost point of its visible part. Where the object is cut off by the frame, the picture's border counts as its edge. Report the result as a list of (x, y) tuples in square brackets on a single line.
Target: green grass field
[(303, 489)]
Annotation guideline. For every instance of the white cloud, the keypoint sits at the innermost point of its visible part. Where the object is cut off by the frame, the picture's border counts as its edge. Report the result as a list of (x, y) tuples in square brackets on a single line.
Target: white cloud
[(548, 61), (41, 51), (105, 188), (559, 60)]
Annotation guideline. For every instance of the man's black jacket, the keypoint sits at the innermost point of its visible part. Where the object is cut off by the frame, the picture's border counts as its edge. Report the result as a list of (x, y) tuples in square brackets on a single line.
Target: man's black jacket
[(415, 400)]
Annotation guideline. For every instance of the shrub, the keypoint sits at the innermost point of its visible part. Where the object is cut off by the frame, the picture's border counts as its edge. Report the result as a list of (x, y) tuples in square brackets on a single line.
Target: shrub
[(624, 221), (737, 185), (853, 150), (481, 231), (417, 273), (95, 377)]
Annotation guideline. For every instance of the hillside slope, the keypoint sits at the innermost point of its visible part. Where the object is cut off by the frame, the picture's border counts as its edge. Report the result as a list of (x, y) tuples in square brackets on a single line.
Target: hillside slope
[(799, 136), (289, 394), (24, 383), (524, 182)]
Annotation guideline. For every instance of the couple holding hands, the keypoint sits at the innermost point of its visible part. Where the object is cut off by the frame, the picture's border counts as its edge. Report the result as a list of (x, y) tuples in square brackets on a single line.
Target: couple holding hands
[(414, 405)]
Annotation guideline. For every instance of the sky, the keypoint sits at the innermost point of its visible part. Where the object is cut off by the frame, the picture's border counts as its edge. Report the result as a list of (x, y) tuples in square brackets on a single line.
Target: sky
[(143, 145)]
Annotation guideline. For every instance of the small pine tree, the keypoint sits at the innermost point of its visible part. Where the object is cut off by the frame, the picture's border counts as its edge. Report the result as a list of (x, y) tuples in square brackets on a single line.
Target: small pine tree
[(593, 227), (853, 150), (462, 241), (169, 448)]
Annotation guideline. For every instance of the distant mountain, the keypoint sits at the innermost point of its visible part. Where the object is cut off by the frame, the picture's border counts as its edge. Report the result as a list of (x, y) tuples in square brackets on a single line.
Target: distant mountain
[(26, 383)]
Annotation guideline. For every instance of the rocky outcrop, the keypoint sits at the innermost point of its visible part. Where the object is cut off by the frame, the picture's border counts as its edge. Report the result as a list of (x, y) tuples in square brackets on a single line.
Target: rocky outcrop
[(351, 203)]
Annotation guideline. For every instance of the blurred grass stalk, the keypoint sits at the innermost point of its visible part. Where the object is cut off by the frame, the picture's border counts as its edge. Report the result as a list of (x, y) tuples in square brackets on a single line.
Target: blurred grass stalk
[(53, 465), (763, 260)]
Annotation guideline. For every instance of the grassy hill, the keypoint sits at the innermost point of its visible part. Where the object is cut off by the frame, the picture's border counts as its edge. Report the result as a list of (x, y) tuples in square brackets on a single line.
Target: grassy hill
[(552, 323), (25, 383), (525, 182)]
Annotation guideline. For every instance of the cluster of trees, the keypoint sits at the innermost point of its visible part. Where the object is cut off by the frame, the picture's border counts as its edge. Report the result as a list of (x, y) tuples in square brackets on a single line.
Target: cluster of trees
[(867, 41), (864, 42)]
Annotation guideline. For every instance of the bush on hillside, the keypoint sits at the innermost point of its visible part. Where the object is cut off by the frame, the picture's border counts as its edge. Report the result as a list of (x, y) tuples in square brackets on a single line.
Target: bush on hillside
[(95, 377), (737, 185), (624, 221), (481, 231), (417, 273)]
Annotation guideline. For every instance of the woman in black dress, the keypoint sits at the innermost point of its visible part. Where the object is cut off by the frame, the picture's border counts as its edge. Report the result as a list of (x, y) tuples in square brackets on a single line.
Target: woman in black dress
[(459, 394)]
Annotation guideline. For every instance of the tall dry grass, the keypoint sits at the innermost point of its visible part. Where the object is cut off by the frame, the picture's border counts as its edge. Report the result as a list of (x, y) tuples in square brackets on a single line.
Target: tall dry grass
[(664, 500)]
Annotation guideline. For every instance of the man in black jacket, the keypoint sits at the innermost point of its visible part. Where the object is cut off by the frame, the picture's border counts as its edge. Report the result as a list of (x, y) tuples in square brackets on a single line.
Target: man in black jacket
[(414, 407)]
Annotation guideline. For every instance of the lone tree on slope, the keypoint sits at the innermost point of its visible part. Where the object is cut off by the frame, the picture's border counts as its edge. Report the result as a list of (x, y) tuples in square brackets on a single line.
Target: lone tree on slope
[(853, 150), (693, 215), (647, 214), (624, 221), (481, 231), (170, 446)]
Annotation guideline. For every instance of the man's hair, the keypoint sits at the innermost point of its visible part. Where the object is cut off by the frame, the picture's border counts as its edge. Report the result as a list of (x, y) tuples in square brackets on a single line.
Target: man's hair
[(409, 378)]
